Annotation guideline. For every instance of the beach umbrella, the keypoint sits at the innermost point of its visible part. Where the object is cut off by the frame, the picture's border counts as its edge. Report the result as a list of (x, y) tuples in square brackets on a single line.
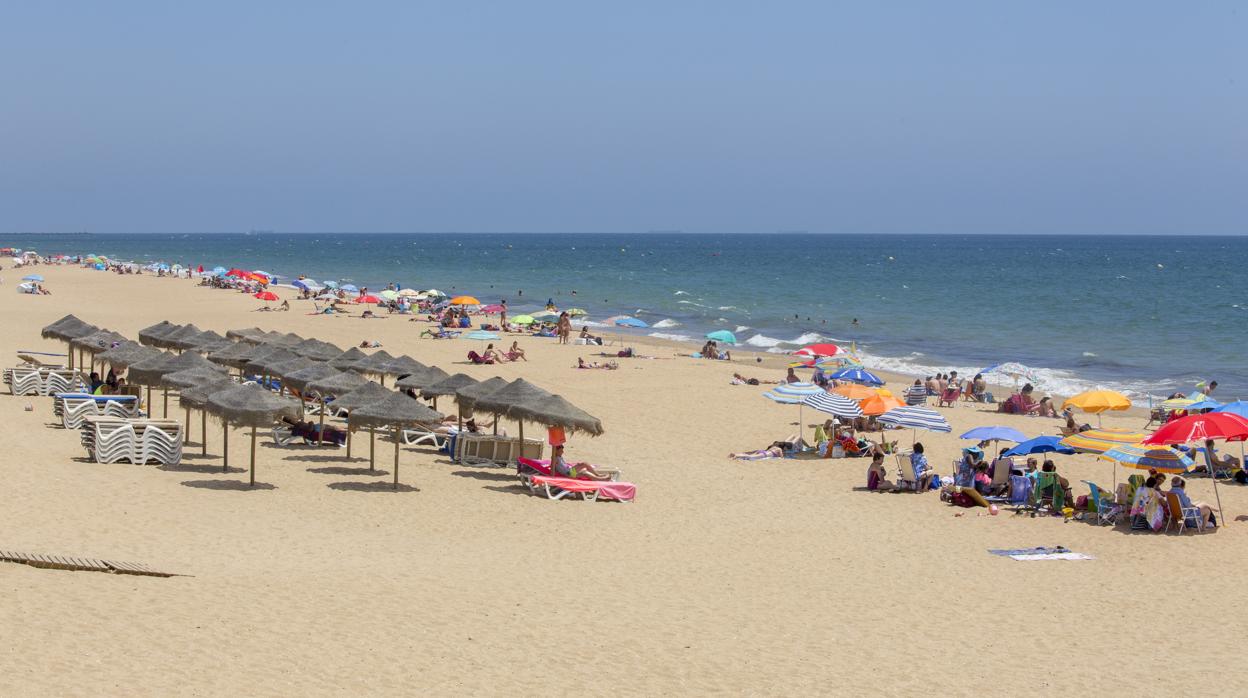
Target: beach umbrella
[(794, 394), (1205, 404), (545, 316), (32, 277), (238, 354), (467, 396), (317, 370), (205, 342), (97, 342), (447, 386), (1098, 401), (722, 336), (854, 391), (373, 364), (415, 380), (1014, 370), (857, 375), (317, 350), (1239, 407), (435, 293), (396, 411), (465, 300), (1177, 403), (994, 433), (189, 378), (148, 335), (819, 350), (347, 359), (408, 293), (168, 340), (67, 329), (879, 404), (366, 394), (368, 299), (286, 368), (248, 406), (1141, 457), (1101, 440), (576, 312), (501, 401), (237, 273), (1040, 444), (196, 396), (264, 363), (481, 335), (912, 418), (403, 365), (249, 334), (627, 321), (337, 383), (555, 411), (150, 372), (389, 295), (349, 288), (331, 284), (833, 404), (267, 296), (1194, 428), (522, 320), (127, 353)]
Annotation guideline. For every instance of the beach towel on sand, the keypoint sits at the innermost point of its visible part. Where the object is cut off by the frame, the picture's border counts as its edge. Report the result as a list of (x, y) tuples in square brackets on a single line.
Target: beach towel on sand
[(1028, 554)]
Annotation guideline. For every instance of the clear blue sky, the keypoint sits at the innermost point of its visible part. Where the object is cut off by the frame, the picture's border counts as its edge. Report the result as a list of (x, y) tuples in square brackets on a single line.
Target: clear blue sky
[(977, 117)]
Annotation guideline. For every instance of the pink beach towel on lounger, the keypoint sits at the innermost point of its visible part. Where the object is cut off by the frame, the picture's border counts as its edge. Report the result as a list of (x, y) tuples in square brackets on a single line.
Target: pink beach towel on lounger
[(620, 491)]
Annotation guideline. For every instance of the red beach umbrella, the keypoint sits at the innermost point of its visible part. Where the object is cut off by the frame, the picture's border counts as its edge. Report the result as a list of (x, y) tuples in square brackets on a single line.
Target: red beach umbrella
[(820, 350), (236, 272), (267, 296), (1226, 426), (368, 299)]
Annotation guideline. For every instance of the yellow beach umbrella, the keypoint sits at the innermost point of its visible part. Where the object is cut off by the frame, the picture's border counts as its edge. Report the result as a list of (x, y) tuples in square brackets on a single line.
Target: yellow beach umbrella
[(884, 391), (576, 312), (1098, 401), (1178, 403), (1102, 440)]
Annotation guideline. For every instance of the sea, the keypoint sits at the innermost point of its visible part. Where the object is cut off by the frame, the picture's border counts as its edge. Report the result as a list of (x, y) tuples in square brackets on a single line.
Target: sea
[(1147, 315)]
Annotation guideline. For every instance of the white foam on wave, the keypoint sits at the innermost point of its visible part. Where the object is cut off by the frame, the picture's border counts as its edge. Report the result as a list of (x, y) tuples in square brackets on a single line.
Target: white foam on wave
[(681, 293), (763, 341), (674, 336), (741, 328), (665, 322), (592, 323), (693, 303)]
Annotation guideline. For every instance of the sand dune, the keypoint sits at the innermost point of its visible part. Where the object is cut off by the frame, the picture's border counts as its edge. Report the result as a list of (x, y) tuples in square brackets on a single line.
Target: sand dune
[(768, 577)]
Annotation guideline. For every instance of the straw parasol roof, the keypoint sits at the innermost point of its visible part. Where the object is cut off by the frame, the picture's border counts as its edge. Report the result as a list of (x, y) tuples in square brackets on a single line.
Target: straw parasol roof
[(205, 338), (317, 371), (467, 396), (249, 334), (554, 411), (171, 339), (366, 394), (404, 366), (375, 363), (419, 379), (265, 362), (67, 328), (290, 339), (209, 347), (250, 406), (151, 371), (190, 377), (339, 383), (346, 359), (448, 386), (239, 354), (397, 410), (128, 353), (514, 393), (149, 334), (285, 368), (196, 396), (98, 341), (317, 350)]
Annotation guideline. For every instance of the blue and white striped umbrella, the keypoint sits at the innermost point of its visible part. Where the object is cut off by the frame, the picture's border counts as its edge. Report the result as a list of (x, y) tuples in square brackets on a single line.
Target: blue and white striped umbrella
[(857, 375), (915, 418), (792, 393), (833, 404)]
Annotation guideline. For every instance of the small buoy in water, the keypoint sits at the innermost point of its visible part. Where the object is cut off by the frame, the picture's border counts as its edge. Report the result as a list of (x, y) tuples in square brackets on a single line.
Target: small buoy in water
[(1161, 266), (891, 259)]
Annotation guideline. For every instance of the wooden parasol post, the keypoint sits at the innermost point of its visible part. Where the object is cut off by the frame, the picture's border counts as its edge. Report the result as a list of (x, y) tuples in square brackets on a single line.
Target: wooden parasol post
[(253, 456), (186, 436), (320, 435), (225, 446), (166, 406), (372, 447), (397, 440), (203, 430)]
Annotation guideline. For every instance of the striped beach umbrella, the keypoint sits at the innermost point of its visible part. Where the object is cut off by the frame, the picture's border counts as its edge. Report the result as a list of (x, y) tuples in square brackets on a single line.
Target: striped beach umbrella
[(793, 394), (1177, 403), (1101, 440), (833, 404), (1160, 458), (915, 418)]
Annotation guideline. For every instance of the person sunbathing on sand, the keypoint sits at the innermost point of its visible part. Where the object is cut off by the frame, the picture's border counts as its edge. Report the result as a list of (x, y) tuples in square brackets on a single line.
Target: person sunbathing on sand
[(370, 344), (775, 450), (610, 365)]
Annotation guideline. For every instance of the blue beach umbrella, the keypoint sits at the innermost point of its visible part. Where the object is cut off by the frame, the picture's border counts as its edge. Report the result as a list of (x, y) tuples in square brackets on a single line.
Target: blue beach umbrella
[(857, 375), (1239, 407), (793, 394), (995, 434), (349, 288), (722, 336), (630, 322), (833, 404), (1040, 444), (32, 277), (330, 284), (1205, 404)]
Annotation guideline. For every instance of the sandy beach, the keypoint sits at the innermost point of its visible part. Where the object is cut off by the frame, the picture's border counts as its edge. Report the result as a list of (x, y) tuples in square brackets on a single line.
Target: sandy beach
[(769, 577)]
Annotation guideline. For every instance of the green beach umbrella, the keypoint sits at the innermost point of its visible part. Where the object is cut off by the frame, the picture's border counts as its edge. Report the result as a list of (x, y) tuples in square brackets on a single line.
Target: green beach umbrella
[(722, 336)]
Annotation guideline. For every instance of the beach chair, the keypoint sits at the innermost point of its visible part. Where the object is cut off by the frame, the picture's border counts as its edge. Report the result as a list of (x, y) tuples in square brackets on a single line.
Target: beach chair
[(528, 468), (588, 490), (282, 436), (949, 398), (416, 437), (906, 479), (1105, 509), (1181, 516), (476, 358), (1048, 493)]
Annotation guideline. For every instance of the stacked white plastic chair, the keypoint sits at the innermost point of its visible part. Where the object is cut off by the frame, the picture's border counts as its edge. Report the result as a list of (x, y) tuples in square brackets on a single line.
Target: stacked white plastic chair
[(137, 441), (73, 408), (43, 381)]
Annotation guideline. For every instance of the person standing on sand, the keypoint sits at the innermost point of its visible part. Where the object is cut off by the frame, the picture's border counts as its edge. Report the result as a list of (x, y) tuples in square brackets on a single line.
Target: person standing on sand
[(502, 314), (564, 328)]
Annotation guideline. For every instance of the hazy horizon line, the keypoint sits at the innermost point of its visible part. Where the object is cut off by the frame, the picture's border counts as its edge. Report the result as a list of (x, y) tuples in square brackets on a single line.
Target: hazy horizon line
[(613, 232)]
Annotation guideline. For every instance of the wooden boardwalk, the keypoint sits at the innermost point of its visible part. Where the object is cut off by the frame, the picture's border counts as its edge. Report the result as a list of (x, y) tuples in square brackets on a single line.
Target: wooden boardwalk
[(65, 562)]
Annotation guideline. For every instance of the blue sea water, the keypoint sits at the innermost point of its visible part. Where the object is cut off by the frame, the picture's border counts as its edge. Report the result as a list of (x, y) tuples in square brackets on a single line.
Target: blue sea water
[(1148, 315)]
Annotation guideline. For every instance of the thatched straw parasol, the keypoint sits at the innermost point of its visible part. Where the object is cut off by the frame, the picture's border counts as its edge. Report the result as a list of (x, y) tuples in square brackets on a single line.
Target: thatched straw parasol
[(420, 379), (339, 383), (148, 335), (288, 340), (203, 339), (285, 368), (149, 373), (300, 379), (261, 364), (253, 335), (501, 401), (346, 359), (237, 355), (66, 329), (249, 406), (467, 396), (374, 365), (127, 354), (554, 411), (97, 342), (317, 350), (404, 366), (447, 386), (172, 338), (189, 378), (396, 411), (362, 396), (196, 397)]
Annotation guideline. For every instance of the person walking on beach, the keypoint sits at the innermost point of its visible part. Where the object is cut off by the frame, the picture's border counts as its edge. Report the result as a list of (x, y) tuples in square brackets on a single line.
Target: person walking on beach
[(502, 314), (564, 328)]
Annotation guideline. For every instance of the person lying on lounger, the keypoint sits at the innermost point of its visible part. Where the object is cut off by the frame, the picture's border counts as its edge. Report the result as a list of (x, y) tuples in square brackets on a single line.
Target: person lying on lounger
[(310, 430), (576, 471)]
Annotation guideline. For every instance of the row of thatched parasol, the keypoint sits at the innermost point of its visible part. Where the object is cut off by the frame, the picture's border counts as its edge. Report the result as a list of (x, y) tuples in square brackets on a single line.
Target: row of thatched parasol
[(312, 367)]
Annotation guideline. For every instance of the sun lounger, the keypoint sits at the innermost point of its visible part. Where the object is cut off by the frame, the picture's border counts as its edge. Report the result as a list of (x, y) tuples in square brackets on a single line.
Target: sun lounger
[(139, 441), (528, 468), (29, 360), (72, 408), (416, 437), (588, 490), (43, 381)]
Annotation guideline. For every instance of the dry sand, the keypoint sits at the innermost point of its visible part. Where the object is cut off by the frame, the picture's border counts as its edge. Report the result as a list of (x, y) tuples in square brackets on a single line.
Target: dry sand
[(730, 577)]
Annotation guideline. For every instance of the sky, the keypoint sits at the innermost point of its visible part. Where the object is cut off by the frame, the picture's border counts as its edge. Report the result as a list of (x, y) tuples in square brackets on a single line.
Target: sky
[(840, 117)]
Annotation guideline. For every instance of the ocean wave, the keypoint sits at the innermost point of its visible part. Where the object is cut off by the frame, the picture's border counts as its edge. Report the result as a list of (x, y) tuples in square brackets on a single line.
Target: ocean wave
[(665, 322), (693, 303), (674, 336), (741, 328), (763, 341), (681, 293)]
